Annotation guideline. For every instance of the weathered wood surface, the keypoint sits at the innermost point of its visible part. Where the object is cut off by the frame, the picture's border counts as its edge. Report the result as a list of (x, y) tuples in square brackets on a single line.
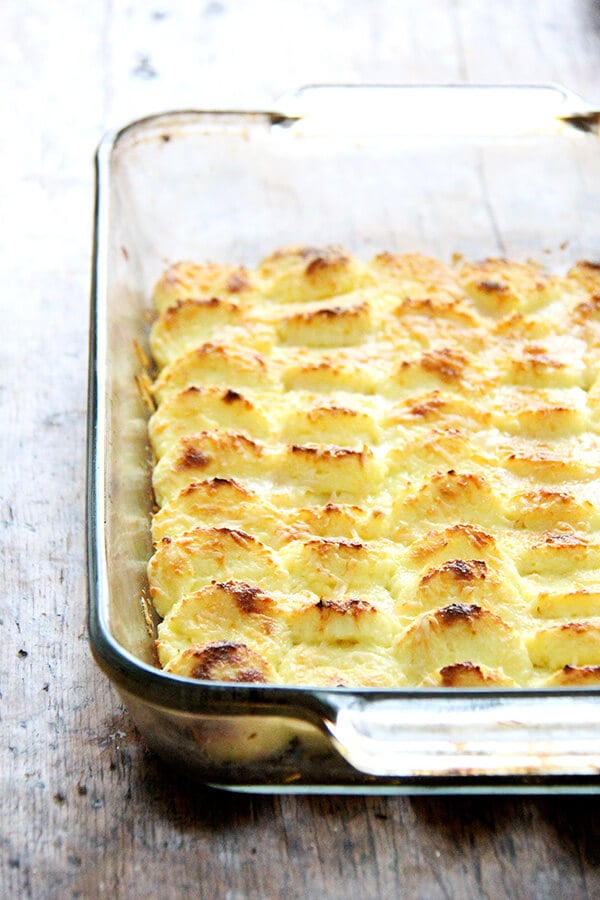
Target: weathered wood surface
[(86, 811)]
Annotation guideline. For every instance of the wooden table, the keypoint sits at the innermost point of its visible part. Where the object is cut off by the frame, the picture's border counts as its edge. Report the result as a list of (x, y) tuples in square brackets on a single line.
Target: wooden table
[(86, 811)]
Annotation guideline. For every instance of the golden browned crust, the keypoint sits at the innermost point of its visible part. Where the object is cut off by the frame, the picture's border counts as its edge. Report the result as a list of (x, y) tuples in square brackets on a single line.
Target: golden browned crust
[(467, 675), (377, 473), (221, 661)]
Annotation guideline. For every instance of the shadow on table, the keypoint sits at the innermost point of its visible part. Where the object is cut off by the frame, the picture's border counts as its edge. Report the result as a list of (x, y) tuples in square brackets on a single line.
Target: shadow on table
[(451, 846), (570, 822)]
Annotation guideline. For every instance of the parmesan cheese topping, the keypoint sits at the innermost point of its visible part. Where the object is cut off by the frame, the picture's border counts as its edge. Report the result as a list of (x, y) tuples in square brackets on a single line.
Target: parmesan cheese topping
[(377, 474)]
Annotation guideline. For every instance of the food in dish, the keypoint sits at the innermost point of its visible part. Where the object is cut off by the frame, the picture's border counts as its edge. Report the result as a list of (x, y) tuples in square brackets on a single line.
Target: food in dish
[(379, 474)]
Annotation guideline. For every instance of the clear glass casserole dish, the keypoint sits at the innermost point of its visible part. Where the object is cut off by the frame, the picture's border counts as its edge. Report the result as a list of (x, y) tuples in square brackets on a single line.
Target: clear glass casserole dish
[(479, 171)]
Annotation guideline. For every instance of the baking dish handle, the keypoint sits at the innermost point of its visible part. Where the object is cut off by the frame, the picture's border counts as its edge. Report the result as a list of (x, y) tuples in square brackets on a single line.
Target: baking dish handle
[(434, 110), (437, 734)]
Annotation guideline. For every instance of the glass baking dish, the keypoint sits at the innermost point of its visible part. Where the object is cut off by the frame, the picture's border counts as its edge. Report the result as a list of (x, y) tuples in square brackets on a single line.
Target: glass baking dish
[(478, 171)]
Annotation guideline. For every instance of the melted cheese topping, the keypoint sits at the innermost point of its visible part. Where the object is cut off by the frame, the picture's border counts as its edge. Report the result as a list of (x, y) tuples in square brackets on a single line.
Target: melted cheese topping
[(377, 474)]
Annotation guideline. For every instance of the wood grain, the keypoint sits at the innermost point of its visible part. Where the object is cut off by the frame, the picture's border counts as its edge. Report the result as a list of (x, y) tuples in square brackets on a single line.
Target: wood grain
[(86, 811)]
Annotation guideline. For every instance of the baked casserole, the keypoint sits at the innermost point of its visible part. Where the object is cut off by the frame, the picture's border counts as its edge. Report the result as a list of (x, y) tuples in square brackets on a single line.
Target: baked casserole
[(381, 474)]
